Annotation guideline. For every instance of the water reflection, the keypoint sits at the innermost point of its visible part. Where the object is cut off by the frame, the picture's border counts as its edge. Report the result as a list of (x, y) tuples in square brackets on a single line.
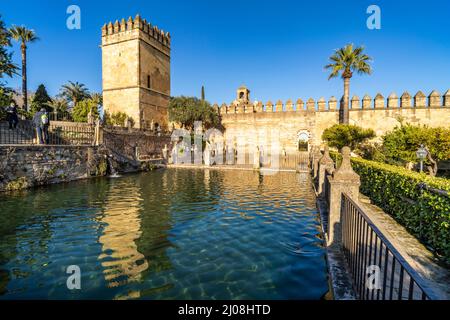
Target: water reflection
[(120, 257), (173, 234)]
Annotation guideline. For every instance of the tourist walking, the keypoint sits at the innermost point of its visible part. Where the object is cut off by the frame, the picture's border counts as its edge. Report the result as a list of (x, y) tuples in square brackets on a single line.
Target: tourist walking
[(11, 116)]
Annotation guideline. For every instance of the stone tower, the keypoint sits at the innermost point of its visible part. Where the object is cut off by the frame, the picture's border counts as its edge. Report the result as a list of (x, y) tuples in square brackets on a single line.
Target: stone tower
[(136, 71), (242, 94)]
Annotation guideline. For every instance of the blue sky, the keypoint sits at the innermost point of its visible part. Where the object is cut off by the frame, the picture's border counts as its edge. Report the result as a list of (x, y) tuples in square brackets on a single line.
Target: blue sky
[(277, 48)]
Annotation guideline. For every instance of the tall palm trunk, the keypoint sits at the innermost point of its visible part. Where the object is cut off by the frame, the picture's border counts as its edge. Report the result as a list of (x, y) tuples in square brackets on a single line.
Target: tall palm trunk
[(345, 112), (24, 76)]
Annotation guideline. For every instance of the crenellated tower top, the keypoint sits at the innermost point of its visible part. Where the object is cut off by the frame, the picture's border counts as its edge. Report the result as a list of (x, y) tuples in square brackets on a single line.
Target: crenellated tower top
[(136, 71), (124, 26)]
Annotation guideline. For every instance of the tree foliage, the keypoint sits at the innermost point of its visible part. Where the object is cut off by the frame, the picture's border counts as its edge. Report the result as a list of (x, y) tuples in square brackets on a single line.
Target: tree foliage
[(57, 105), (186, 110), (23, 34), (6, 66), (341, 135), (41, 99), (6, 96), (118, 119), (82, 108), (344, 62), (400, 145), (347, 60), (74, 92)]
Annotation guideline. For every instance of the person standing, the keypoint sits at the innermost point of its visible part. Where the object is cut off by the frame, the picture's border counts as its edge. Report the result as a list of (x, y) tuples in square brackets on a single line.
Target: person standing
[(45, 122), (38, 126), (11, 116)]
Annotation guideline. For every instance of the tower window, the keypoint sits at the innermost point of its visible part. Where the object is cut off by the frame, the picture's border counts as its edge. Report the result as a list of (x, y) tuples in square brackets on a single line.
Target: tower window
[(148, 81)]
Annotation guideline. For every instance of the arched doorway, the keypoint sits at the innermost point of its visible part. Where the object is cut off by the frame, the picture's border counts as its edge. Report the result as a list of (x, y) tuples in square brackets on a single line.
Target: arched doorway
[(303, 151), (302, 141)]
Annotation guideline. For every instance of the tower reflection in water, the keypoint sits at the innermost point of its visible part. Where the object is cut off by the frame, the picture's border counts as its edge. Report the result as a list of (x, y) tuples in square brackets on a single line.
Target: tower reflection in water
[(120, 258), (134, 238)]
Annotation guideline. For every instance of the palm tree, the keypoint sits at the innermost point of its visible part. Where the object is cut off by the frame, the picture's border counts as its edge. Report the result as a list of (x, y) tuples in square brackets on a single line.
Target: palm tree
[(24, 35), (346, 61), (74, 92), (57, 105), (97, 98)]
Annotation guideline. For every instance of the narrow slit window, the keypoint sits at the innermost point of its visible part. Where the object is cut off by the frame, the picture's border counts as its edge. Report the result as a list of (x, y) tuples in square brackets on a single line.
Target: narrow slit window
[(148, 82)]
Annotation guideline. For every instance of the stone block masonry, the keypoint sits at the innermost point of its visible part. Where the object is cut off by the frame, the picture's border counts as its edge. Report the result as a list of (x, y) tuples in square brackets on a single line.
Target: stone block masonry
[(27, 166), (244, 119), (136, 71), (136, 145)]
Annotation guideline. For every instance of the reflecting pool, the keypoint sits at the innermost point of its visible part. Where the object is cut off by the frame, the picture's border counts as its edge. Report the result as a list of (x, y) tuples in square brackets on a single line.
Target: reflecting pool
[(166, 234)]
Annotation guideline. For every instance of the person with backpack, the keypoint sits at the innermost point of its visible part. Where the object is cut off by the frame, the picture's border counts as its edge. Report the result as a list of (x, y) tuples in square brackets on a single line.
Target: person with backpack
[(45, 122), (41, 123), (11, 116)]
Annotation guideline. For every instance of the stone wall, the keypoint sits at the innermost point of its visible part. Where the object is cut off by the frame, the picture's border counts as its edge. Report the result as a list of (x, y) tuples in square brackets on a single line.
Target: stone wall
[(136, 70), (136, 145), (27, 166), (255, 121)]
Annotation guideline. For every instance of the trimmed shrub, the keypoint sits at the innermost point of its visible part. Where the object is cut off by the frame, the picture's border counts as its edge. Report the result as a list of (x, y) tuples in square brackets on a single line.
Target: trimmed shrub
[(419, 202), (340, 135)]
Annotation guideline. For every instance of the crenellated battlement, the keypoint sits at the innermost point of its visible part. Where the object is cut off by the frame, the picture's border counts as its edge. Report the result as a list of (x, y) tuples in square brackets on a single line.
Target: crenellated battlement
[(379, 102), (110, 29), (136, 71)]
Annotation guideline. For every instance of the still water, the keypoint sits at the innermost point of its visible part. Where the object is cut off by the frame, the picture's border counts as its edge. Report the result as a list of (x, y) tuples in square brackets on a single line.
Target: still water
[(167, 234)]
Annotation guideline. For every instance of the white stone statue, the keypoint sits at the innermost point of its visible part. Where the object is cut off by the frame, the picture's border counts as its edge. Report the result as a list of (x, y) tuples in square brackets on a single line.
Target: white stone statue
[(164, 152), (256, 158), (152, 125), (174, 155), (207, 154)]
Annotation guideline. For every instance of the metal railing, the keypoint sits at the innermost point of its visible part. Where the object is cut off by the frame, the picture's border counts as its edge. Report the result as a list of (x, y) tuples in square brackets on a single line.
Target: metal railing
[(379, 272), (148, 131), (58, 134), (60, 116)]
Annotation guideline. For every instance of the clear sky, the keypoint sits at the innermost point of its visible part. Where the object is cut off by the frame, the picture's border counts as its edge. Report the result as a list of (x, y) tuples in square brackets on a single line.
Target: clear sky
[(277, 48)]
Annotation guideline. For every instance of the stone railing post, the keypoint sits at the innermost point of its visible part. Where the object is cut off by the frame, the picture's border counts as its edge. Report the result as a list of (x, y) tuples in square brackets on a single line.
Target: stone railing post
[(325, 162), (98, 133), (315, 157), (344, 180)]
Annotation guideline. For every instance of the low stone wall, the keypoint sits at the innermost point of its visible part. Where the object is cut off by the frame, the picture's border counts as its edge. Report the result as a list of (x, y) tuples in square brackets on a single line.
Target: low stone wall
[(135, 144), (27, 166)]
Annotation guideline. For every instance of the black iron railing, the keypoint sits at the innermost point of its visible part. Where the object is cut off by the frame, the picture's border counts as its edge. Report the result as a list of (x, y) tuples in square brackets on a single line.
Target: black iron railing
[(378, 270), (60, 116), (58, 134)]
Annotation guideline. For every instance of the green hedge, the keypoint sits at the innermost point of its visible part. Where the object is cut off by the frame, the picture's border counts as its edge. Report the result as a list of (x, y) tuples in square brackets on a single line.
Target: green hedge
[(409, 198)]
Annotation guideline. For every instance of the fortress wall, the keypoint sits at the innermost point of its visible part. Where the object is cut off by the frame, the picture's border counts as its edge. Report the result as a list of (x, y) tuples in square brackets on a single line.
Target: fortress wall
[(136, 70), (286, 121), (115, 100), (120, 66)]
